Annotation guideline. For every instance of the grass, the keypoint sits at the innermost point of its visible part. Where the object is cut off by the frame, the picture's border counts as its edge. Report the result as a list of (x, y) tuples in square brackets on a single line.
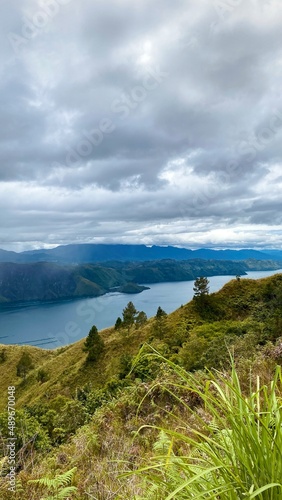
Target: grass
[(234, 446), (65, 367)]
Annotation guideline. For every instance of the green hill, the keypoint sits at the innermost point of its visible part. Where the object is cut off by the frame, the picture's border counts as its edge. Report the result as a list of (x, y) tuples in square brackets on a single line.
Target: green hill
[(45, 281), (76, 413)]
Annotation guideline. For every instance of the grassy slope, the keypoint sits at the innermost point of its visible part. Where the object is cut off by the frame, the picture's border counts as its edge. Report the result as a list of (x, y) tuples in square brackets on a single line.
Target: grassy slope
[(99, 448), (66, 366)]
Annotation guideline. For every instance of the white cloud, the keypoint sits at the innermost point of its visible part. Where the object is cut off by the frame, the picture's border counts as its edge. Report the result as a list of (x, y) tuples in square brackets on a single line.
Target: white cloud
[(186, 110)]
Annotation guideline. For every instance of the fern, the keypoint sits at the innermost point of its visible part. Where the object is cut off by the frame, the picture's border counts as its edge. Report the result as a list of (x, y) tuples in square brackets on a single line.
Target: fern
[(163, 444), (58, 486)]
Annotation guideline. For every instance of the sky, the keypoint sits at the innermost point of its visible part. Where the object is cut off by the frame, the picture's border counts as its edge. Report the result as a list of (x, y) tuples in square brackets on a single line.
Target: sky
[(137, 121)]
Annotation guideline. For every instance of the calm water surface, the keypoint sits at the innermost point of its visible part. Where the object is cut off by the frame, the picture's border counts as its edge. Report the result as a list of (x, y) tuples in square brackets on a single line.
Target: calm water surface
[(56, 324)]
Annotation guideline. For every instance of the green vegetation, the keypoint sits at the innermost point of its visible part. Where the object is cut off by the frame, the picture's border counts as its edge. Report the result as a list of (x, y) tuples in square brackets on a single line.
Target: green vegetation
[(233, 450), (201, 287), (24, 365), (132, 288), (129, 315), (58, 486), (3, 355), (46, 281), (160, 412), (94, 345), (118, 323)]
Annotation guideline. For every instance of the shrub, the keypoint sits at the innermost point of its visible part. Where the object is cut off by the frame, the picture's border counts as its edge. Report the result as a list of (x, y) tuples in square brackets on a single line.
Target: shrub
[(42, 375), (24, 365)]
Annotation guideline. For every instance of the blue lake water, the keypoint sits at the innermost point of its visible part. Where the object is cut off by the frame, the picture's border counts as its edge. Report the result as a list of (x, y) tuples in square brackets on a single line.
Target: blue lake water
[(56, 324)]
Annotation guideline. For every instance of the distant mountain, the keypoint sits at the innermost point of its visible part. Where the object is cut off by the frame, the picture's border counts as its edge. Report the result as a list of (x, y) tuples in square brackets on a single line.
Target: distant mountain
[(46, 281), (6, 256), (207, 253), (90, 253)]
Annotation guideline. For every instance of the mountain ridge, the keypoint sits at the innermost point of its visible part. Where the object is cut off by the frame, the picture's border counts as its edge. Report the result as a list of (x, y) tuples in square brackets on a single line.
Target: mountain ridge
[(90, 253)]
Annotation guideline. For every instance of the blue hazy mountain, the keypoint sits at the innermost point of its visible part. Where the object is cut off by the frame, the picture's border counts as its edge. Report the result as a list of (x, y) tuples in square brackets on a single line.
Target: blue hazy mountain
[(87, 253)]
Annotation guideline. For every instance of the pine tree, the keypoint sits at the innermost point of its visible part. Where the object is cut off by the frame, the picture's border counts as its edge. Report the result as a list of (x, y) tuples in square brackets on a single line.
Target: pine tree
[(129, 314), (201, 287), (161, 323), (140, 319), (94, 344), (118, 323), (203, 303), (160, 313)]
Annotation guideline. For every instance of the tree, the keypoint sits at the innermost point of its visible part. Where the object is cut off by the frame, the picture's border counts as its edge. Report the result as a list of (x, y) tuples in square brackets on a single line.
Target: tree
[(201, 287), (24, 365), (160, 313), (129, 314), (140, 319), (118, 323), (161, 323), (94, 344), (206, 305)]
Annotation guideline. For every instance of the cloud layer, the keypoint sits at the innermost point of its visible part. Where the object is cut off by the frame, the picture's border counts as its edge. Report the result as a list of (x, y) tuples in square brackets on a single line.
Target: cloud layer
[(151, 122)]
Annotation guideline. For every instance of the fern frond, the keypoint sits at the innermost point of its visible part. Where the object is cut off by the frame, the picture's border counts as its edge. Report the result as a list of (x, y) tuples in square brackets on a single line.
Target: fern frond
[(56, 484), (65, 478), (66, 492)]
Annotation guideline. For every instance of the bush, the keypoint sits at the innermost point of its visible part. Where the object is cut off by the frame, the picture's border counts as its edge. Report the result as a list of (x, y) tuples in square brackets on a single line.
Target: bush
[(3, 355), (24, 365), (42, 375)]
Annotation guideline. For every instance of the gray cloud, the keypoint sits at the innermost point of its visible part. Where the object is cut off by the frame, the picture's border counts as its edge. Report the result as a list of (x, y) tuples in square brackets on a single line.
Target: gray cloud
[(153, 122)]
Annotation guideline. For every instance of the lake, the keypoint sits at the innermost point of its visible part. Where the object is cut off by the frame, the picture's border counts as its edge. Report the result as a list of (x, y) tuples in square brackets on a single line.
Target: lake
[(56, 324)]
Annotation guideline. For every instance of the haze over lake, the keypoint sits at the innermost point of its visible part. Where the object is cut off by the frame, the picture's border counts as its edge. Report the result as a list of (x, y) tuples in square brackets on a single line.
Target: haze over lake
[(56, 324)]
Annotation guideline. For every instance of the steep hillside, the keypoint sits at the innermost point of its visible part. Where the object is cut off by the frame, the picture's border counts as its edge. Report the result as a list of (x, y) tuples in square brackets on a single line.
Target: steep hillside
[(85, 414), (44, 281), (241, 307)]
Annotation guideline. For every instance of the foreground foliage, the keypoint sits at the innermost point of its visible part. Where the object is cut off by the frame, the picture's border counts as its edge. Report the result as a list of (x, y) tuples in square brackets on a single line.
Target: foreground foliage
[(58, 487), (234, 446)]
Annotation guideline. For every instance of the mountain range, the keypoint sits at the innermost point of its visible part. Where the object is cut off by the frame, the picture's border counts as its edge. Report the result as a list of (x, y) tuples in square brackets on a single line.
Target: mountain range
[(89, 253)]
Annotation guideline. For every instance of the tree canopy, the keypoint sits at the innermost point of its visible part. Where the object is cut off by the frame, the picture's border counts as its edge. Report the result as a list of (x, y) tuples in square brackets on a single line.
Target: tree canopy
[(129, 314), (94, 344), (201, 287)]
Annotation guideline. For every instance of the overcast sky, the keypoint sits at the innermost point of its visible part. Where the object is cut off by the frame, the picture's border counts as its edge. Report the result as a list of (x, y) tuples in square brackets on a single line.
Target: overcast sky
[(138, 121)]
